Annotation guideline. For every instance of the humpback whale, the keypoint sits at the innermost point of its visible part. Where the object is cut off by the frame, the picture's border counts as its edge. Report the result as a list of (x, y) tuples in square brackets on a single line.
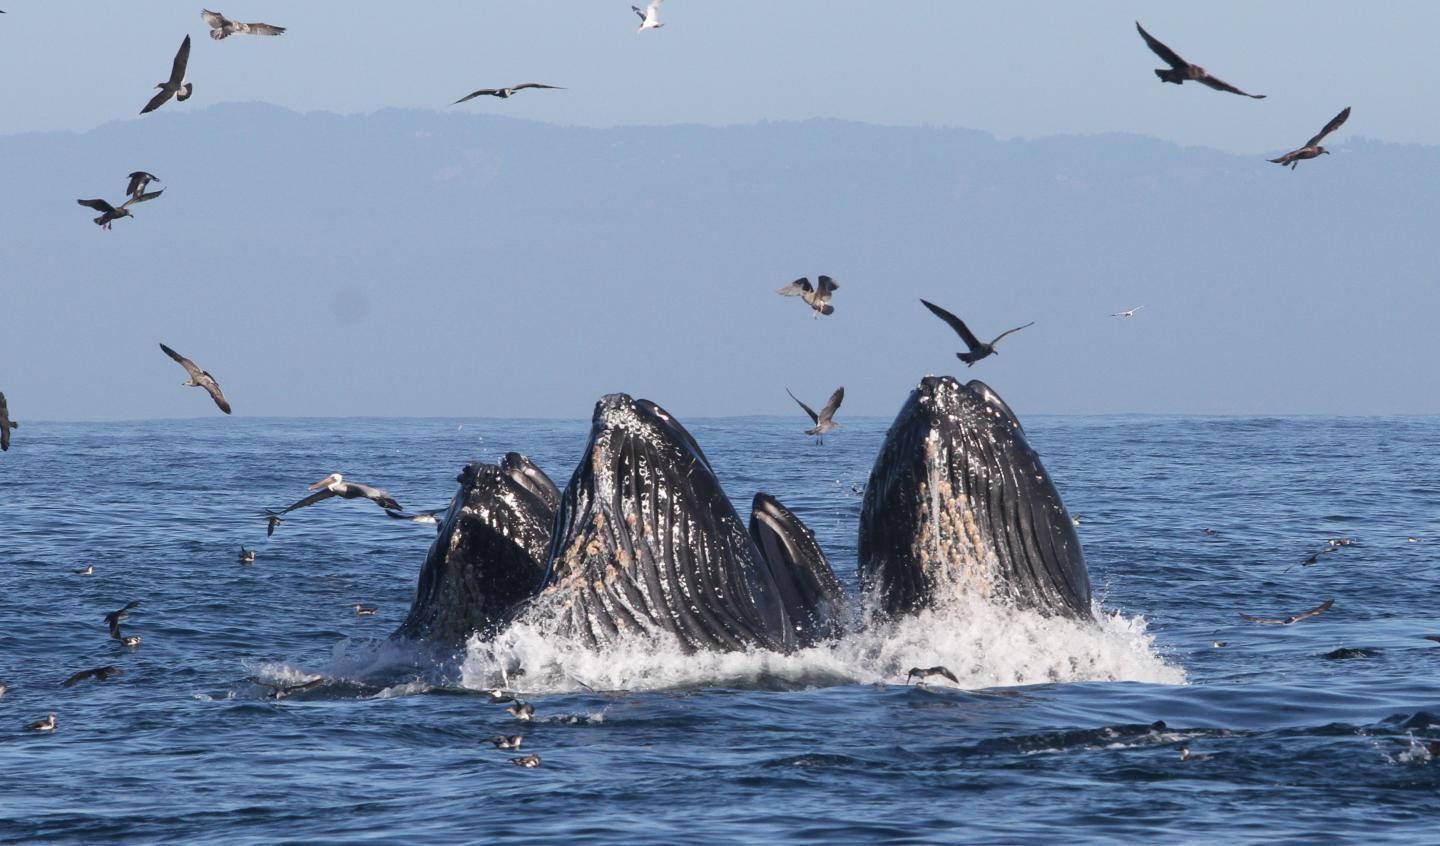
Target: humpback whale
[(646, 543), (958, 502), (489, 555)]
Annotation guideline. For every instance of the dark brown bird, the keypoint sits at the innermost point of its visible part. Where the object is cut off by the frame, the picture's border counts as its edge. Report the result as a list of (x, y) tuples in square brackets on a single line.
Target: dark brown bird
[(1293, 618), (978, 349), (97, 673), (1180, 70), (926, 672), (199, 379), (1312, 147), (109, 214), (6, 424), (335, 485), (502, 93), (139, 181), (175, 86), (824, 421), (222, 27), (818, 297), (272, 520), (114, 617)]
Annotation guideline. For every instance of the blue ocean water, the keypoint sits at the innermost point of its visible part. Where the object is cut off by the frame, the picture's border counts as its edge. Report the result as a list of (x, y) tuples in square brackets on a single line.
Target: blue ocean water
[(1055, 736)]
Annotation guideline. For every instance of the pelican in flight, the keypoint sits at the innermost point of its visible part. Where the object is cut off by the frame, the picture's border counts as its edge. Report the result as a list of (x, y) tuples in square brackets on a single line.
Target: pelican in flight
[(1181, 70), (335, 485), (222, 27), (200, 379), (109, 214), (503, 93), (978, 349), (650, 18), (817, 297), (6, 424), (824, 421), (1128, 313), (1312, 147), (175, 86)]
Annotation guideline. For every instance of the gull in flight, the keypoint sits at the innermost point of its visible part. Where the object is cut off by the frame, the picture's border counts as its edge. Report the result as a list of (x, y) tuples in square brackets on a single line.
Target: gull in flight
[(978, 350), (1312, 147), (1181, 70), (222, 27), (175, 86), (823, 421), (199, 379), (109, 214), (503, 93), (1127, 313), (818, 296), (650, 18)]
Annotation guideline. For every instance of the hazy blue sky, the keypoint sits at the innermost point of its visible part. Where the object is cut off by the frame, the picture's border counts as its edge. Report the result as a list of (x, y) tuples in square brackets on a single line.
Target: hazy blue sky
[(1027, 69)]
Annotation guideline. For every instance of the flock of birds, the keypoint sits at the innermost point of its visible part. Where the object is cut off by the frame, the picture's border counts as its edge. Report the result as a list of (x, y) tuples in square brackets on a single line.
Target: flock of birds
[(818, 297)]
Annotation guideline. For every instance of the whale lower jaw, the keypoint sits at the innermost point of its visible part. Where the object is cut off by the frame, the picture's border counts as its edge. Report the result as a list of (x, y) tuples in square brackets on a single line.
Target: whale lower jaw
[(959, 503)]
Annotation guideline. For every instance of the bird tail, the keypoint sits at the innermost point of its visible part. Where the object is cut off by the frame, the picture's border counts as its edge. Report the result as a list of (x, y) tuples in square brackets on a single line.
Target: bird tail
[(184, 93), (1169, 75), (968, 358), (827, 309)]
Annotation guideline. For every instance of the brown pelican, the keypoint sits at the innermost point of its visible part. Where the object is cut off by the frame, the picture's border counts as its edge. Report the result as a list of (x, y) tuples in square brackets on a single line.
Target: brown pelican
[(98, 674), (139, 181), (823, 421), (6, 424), (1312, 147), (650, 18), (1181, 70), (109, 214), (175, 86), (114, 617), (926, 672), (1293, 618), (531, 761), (978, 350), (199, 379), (426, 517), (818, 297), (502, 93), (47, 724), (335, 485), (1127, 313), (222, 27)]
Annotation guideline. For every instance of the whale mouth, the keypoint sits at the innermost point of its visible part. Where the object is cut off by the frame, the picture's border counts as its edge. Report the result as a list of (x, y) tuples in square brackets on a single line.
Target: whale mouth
[(959, 503)]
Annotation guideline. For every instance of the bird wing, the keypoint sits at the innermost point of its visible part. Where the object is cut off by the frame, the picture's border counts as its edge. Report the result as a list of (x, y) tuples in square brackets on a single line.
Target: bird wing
[(813, 416), (141, 198), (157, 101), (1313, 612), (1221, 85), (97, 205), (137, 179), (322, 494), (473, 94), (264, 29), (826, 285), (214, 19), (1330, 127), (945, 671), (1008, 331), (833, 405), (636, 10), (534, 85), (955, 323), (195, 372), (213, 388), (376, 495), (79, 677), (796, 288), (1268, 621), (1168, 56), (182, 58)]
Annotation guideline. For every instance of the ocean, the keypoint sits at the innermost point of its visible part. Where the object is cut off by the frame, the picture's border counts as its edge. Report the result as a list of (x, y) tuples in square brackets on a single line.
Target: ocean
[(1059, 732)]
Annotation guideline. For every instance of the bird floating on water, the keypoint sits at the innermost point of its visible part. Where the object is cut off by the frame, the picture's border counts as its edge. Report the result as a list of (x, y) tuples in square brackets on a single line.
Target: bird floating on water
[(1181, 71), (818, 297), (47, 724), (1293, 618), (522, 711), (824, 421), (1186, 756), (87, 570), (1218, 644), (926, 672), (978, 350), (222, 27), (199, 379), (175, 86), (97, 673), (363, 610), (131, 641), (247, 556), (529, 761), (650, 18), (1127, 313), (1312, 147), (503, 93), (502, 741), (6, 424)]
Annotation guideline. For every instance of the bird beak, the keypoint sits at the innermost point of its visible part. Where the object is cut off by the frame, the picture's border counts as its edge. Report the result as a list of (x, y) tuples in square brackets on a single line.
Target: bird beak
[(322, 483)]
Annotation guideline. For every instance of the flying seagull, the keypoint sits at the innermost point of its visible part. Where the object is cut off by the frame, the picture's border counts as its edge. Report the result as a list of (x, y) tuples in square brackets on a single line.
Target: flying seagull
[(114, 617), (1312, 147), (335, 485), (1181, 70), (222, 27), (175, 86), (824, 421), (977, 349), (650, 18), (926, 672), (98, 674), (818, 297), (1293, 618), (502, 93), (109, 214), (199, 379), (1128, 313), (6, 424), (139, 181)]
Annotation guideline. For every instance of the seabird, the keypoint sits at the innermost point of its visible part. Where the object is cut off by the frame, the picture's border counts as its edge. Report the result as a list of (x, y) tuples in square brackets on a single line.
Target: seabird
[(427, 517), (1312, 147), (199, 379), (6, 424), (109, 214), (131, 641), (1077, 518), (175, 86), (272, 520), (87, 570), (502, 93), (1181, 70), (97, 673), (1340, 541), (522, 711), (280, 691), (1293, 618), (1209, 533), (507, 742), (363, 610), (114, 617), (139, 181), (1409, 539), (1186, 756), (533, 761), (247, 556), (978, 350), (824, 421), (222, 27), (498, 696), (926, 672), (818, 297), (3, 689), (47, 724), (1130, 312), (335, 485), (1218, 644), (649, 19)]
